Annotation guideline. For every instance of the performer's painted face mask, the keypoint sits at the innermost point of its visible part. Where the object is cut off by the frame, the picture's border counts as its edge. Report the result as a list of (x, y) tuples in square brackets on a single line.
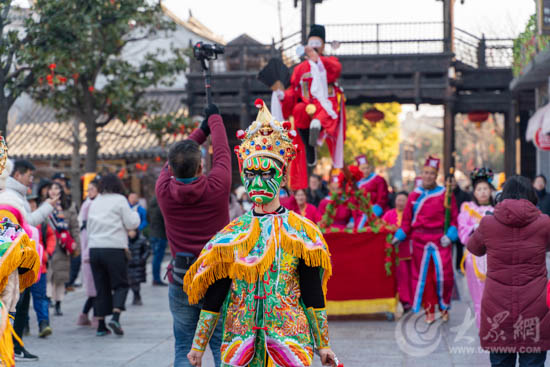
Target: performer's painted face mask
[(262, 178)]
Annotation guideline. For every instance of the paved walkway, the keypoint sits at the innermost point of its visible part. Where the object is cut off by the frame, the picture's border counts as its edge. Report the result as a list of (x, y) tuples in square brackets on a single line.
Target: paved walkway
[(149, 342)]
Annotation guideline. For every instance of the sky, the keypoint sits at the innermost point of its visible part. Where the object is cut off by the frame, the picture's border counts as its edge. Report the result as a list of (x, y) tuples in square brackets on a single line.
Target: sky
[(259, 18)]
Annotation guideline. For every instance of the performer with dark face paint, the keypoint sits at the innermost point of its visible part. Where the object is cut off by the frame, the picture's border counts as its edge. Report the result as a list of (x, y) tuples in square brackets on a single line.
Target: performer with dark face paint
[(266, 272)]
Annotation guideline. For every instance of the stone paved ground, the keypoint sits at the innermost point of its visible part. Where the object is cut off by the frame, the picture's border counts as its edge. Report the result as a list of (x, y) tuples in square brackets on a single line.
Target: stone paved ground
[(149, 342)]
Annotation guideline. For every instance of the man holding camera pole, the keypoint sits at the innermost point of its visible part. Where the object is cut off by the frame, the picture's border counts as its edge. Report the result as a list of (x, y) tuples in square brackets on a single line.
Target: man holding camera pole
[(195, 207)]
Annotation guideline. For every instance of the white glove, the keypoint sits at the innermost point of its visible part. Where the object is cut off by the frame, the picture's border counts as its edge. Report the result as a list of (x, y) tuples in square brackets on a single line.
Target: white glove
[(280, 94), (315, 124), (445, 241), (476, 226)]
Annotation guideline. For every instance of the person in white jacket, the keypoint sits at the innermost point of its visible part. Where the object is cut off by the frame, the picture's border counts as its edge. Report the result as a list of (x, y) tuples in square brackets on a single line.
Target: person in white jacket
[(18, 179), (109, 220)]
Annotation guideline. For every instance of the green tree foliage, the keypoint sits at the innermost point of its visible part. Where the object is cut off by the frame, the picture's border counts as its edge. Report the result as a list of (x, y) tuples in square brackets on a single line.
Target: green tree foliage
[(15, 74), (378, 141), (76, 43), (527, 45)]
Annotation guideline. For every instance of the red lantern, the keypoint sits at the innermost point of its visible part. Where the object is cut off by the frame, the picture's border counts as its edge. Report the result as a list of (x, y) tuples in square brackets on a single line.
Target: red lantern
[(121, 173), (478, 116), (373, 115)]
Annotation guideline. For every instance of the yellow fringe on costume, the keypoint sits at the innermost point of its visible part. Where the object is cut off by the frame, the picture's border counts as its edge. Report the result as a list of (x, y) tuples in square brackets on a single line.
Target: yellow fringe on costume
[(21, 254), (6, 340), (221, 263), (226, 252)]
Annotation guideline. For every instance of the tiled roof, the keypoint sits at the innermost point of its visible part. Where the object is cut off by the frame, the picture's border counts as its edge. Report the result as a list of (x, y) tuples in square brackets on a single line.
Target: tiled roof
[(40, 136), (194, 25)]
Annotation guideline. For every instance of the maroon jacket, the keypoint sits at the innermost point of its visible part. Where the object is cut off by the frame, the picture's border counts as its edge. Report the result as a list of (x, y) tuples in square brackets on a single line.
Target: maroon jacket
[(513, 308), (195, 212)]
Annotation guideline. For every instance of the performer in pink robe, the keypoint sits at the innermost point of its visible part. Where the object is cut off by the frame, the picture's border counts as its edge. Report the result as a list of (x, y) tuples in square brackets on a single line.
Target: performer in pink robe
[(469, 218), (343, 214), (423, 226), (373, 185), (404, 269)]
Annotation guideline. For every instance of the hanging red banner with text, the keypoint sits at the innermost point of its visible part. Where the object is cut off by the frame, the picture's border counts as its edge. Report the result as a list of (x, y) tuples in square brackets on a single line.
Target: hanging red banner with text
[(542, 141)]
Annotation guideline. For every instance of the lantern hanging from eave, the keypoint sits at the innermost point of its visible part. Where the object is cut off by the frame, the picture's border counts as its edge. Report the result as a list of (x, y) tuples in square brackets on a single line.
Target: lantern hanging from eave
[(478, 117), (373, 115)]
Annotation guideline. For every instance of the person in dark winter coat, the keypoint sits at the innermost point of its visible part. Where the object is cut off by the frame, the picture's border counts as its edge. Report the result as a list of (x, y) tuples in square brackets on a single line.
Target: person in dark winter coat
[(137, 273), (157, 236), (539, 184), (514, 314)]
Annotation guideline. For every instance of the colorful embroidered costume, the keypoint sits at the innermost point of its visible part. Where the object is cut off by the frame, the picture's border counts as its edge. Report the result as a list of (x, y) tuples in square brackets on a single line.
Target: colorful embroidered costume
[(19, 268), (19, 263), (423, 228), (267, 272), (475, 266)]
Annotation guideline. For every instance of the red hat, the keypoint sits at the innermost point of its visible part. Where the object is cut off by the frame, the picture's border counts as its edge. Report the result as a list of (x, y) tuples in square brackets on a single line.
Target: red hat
[(338, 178), (361, 159), (433, 162)]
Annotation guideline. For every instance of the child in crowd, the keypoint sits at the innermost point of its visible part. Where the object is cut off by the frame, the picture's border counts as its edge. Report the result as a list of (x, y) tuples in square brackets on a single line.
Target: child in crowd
[(139, 251)]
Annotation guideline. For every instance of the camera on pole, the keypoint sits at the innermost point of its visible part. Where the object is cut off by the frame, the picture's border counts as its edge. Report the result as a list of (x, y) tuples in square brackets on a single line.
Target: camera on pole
[(205, 52)]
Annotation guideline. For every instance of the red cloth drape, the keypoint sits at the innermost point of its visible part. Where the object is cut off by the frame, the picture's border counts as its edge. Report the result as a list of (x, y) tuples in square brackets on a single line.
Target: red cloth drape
[(358, 271)]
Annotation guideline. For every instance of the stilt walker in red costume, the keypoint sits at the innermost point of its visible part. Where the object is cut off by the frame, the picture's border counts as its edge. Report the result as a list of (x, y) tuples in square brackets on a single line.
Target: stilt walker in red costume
[(317, 103), (422, 230)]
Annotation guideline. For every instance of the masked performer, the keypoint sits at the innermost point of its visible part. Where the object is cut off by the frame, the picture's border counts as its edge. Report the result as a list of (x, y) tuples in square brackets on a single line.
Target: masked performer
[(265, 273), (423, 224), (469, 218)]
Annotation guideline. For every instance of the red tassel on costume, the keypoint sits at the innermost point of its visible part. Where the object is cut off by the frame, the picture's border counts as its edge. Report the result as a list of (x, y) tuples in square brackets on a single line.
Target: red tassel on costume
[(241, 134), (287, 125), (292, 133), (259, 103)]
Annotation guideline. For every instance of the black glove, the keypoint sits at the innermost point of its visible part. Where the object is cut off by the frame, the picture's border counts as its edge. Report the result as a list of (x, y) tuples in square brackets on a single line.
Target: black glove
[(208, 111)]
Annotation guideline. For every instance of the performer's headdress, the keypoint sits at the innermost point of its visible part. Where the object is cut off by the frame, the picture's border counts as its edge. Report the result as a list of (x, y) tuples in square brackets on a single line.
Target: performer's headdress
[(266, 137), (317, 30), (433, 162), (361, 159), (482, 175)]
